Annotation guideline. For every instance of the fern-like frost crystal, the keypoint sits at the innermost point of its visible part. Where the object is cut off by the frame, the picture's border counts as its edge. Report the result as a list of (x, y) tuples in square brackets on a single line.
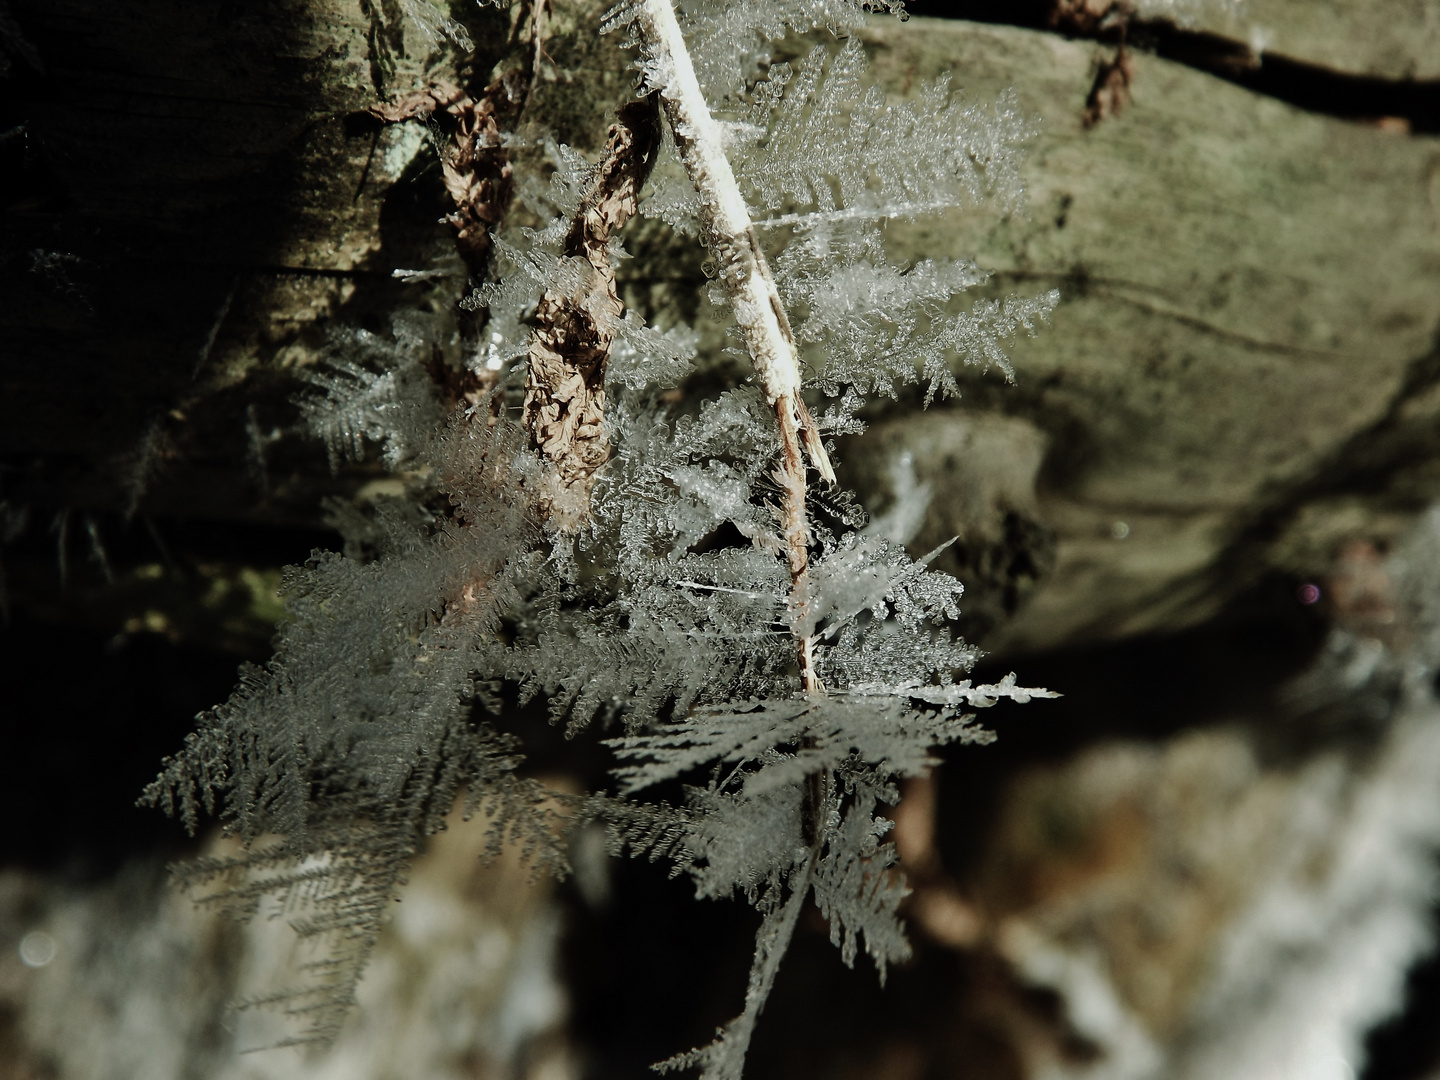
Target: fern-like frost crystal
[(732, 626), (354, 741), (831, 143)]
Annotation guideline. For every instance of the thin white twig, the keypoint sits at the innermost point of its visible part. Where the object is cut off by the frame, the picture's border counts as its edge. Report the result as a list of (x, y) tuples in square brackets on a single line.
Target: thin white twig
[(745, 275)]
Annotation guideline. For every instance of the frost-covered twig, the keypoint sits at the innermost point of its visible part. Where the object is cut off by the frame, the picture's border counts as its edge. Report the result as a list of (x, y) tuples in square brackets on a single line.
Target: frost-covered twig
[(724, 1059), (744, 273)]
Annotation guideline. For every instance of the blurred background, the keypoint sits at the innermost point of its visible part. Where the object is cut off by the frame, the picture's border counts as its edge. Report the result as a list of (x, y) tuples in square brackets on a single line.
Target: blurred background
[(1203, 514)]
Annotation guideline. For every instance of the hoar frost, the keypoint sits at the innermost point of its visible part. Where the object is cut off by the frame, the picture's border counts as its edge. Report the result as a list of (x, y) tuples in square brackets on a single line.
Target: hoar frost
[(669, 610)]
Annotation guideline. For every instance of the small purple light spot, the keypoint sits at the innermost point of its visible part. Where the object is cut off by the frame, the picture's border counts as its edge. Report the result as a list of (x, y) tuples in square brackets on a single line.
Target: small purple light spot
[(1309, 593)]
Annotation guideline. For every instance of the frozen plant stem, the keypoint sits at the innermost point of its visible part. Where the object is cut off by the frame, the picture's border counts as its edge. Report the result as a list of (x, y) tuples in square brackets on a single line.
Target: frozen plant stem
[(746, 277), (724, 1058)]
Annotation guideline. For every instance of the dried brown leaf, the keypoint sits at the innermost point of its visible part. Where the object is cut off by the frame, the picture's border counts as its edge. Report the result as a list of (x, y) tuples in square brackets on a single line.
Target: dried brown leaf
[(575, 322)]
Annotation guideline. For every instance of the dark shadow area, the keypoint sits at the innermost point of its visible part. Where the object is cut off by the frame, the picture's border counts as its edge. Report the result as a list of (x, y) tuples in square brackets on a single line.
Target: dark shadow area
[(157, 162), (654, 971), (1407, 1046), (157, 144), (1226, 670), (89, 718), (90, 707)]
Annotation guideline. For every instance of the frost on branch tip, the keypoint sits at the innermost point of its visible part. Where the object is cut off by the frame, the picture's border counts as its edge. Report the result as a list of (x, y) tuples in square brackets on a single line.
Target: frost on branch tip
[(353, 743), (821, 141), (780, 742), (670, 610), (729, 40), (815, 141)]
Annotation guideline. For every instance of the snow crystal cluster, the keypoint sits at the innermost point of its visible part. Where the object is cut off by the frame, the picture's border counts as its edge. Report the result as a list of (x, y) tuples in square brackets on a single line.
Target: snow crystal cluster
[(670, 619)]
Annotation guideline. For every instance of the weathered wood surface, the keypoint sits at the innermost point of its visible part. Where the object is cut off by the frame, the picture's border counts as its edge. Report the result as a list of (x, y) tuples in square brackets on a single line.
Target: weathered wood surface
[(204, 208), (1242, 370)]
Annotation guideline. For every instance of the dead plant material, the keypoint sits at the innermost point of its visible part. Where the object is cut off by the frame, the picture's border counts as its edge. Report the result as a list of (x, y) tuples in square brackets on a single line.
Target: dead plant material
[(575, 323), (1086, 16), (1105, 20), (1110, 92), (475, 163), (477, 172)]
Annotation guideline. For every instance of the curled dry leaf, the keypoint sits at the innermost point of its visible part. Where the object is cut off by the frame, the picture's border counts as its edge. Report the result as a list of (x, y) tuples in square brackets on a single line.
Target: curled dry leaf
[(475, 162), (576, 319), (1086, 16)]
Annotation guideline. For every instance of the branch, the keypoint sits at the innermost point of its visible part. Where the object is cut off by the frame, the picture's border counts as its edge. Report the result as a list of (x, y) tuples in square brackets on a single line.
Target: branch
[(724, 1058), (744, 274)]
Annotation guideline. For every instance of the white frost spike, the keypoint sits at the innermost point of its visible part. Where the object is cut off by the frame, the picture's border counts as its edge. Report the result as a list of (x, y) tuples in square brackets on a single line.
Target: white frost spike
[(840, 146)]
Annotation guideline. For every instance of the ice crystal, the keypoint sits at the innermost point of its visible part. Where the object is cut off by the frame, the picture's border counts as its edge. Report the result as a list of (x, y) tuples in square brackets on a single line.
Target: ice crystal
[(353, 742), (372, 390), (728, 40), (671, 609), (672, 197), (780, 742), (435, 26), (643, 356), (833, 144), (880, 325)]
